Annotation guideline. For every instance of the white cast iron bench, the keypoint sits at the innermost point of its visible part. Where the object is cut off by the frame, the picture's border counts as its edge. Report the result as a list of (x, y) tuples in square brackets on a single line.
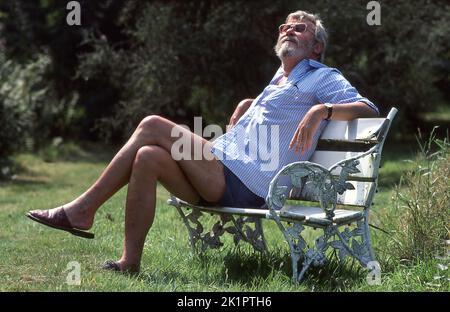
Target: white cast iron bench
[(340, 181)]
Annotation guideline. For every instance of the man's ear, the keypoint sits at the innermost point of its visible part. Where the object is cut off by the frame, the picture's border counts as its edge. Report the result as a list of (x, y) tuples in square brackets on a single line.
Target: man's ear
[(318, 48)]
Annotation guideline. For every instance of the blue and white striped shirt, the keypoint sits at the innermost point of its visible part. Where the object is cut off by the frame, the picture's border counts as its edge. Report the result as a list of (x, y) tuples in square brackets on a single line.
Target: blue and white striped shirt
[(257, 147)]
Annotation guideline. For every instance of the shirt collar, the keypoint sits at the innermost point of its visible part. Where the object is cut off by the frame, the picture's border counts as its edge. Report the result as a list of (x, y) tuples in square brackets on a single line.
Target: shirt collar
[(316, 64), (301, 68)]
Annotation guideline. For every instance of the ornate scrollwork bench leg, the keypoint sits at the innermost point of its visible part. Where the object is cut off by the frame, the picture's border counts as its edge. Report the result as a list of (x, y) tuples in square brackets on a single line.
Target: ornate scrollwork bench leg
[(296, 243), (322, 185), (355, 243), (243, 230), (315, 255), (248, 229)]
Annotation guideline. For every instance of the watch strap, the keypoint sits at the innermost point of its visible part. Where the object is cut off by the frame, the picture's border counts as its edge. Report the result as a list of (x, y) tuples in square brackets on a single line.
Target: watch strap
[(329, 110)]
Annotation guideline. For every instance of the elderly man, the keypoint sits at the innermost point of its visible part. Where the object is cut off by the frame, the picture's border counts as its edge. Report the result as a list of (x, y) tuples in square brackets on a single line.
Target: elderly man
[(295, 106)]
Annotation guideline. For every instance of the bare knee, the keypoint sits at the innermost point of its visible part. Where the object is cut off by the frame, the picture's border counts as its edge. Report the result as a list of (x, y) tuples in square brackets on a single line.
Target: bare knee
[(151, 123), (151, 157), (150, 130)]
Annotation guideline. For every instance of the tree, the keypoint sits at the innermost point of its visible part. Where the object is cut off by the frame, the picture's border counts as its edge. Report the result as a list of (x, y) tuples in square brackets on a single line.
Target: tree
[(130, 59)]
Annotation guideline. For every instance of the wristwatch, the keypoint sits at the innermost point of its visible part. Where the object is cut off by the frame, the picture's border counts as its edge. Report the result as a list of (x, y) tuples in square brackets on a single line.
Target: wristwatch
[(329, 107)]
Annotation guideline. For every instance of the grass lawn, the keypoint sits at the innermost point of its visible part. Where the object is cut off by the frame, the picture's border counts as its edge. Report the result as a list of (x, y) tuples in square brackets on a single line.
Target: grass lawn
[(35, 257)]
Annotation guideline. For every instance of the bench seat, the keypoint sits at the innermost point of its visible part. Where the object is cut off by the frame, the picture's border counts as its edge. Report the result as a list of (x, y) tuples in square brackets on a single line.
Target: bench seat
[(313, 216)]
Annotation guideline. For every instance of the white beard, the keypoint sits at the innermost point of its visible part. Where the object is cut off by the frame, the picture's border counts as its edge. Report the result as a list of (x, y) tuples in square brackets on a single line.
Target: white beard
[(292, 49)]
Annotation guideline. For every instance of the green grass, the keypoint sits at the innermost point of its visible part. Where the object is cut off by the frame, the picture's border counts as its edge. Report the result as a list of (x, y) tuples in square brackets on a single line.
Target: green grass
[(35, 258), (442, 113)]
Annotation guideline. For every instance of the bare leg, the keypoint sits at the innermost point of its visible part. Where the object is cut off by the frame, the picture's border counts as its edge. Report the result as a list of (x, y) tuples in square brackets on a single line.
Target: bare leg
[(206, 176), (152, 163)]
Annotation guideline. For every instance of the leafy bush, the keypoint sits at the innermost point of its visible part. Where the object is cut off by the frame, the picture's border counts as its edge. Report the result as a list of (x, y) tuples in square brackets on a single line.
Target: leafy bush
[(15, 118), (30, 110), (201, 57), (194, 68), (422, 200)]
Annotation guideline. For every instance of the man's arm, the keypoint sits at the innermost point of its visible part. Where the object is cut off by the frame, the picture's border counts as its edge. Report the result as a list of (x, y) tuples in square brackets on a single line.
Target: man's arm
[(349, 111), (303, 136), (241, 108)]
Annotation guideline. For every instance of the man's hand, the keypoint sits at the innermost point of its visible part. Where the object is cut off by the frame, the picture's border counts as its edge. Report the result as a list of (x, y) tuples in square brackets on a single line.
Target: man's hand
[(303, 136), (239, 111)]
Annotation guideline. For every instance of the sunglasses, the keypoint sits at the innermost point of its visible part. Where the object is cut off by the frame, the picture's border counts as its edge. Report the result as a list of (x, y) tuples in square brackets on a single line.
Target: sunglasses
[(298, 27)]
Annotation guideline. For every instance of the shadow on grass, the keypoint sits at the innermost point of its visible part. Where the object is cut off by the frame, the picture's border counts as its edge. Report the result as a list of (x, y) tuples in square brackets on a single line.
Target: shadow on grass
[(81, 152), (27, 182), (32, 179), (333, 276), (244, 267), (255, 271)]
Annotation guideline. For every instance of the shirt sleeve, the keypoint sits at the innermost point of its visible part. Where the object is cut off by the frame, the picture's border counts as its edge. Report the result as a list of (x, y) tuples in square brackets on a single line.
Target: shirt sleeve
[(334, 88)]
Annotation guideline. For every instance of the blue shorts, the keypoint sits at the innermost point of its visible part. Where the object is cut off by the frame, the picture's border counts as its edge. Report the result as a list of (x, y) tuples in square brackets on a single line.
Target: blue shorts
[(236, 194)]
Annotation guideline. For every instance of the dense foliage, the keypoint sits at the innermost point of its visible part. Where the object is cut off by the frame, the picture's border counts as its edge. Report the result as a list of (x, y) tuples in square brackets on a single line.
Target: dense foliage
[(130, 59), (421, 218)]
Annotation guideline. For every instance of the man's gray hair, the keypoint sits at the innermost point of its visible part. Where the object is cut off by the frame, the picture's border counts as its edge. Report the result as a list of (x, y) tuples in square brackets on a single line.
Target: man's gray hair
[(320, 34)]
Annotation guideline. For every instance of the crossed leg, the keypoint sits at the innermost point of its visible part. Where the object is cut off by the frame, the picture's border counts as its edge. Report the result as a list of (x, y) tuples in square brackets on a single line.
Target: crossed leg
[(141, 162), (152, 163)]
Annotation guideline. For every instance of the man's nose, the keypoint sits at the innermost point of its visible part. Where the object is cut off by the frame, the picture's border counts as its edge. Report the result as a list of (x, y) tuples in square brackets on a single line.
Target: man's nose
[(290, 30)]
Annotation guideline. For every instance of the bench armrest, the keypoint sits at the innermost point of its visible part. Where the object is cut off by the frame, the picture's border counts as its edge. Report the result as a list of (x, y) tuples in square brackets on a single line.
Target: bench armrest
[(300, 173), (320, 181)]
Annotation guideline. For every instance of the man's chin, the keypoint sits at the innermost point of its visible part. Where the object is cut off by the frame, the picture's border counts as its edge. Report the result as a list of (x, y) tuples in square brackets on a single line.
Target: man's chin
[(287, 53)]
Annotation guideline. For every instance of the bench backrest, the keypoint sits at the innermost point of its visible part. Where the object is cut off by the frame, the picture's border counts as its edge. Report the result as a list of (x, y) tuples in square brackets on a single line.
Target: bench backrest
[(346, 139)]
